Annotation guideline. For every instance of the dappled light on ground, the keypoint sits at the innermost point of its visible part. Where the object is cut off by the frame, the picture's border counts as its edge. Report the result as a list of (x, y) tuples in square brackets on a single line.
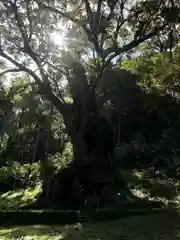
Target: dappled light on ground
[(33, 232), (163, 226), (143, 185), (18, 198), (153, 187)]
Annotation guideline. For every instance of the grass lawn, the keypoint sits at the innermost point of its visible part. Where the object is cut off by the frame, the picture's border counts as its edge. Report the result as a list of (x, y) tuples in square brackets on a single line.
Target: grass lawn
[(164, 226)]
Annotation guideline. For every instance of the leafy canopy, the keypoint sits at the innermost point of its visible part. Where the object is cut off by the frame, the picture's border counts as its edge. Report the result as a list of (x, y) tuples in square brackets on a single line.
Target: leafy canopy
[(103, 30)]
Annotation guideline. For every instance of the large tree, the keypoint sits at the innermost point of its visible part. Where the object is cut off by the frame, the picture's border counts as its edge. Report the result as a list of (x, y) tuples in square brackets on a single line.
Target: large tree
[(97, 35)]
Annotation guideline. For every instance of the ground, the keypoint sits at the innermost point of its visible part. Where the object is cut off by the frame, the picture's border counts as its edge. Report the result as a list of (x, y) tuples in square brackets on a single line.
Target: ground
[(163, 225)]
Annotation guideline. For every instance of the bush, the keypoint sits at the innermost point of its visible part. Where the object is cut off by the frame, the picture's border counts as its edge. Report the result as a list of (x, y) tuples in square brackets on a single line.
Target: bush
[(18, 198), (14, 175), (58, 160)]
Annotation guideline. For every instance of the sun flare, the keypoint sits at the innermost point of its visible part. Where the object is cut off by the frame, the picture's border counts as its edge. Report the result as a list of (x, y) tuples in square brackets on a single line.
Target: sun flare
[(57, 38)]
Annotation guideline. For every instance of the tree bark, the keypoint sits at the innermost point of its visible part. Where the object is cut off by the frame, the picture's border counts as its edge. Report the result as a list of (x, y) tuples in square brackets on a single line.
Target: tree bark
[(92, 174), (91, 180), (119, 130)]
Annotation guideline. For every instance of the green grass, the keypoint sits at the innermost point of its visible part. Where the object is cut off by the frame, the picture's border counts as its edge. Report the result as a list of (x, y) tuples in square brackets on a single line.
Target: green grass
[(19, 198), (164, 226), (34, 232)]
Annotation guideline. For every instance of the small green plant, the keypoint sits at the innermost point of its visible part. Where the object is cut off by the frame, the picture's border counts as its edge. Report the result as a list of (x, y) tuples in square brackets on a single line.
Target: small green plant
[(59, 161), (14, 175), (3, 142)]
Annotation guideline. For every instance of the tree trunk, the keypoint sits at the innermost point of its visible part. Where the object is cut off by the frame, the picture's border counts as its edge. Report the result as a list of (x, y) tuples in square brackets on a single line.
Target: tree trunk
[(79, 146), (92, 179), (119, 129)]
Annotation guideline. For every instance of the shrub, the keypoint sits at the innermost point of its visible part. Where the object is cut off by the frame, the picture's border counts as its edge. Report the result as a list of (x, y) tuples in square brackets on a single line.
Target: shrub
[(14, 175)]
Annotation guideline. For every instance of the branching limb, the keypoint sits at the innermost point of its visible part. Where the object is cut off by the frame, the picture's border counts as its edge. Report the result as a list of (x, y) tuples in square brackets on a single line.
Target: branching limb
[(60, 96), (80, 23), (57, 11), (112, 5), (89, 13), (132, 44), (20, 67), (125, 48), (44, 89), (27, 49), (19, 23), (12, 70), (30, 20)]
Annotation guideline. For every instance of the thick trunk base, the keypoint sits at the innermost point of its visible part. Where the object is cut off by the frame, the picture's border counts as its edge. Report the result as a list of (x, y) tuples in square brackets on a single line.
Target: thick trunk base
[(92, 179), (85, 185)]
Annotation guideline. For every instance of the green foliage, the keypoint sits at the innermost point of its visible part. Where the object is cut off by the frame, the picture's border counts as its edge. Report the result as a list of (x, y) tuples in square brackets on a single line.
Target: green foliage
[(3, 142), (157, 70), (32, 126), (18, 198), (59, 161), (149, 124), (56, 86), (15, 175)]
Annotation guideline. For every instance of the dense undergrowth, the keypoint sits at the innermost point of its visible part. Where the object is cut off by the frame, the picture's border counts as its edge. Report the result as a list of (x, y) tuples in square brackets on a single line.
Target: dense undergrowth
[(144, 184)]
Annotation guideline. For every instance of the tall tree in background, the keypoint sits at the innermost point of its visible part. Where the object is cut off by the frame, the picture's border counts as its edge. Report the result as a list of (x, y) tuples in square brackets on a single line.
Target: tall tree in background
[(97, 35)]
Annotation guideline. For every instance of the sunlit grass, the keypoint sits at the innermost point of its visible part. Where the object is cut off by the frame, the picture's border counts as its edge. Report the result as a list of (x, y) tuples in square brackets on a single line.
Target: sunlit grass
[(162, 226), (154, 226), (141, 185), (33, 232), (18, 198), (41, 232)]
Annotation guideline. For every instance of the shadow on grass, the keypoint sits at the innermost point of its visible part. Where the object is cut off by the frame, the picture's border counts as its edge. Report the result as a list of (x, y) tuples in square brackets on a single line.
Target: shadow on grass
[(162, 226), (156, 226), (142, 184)]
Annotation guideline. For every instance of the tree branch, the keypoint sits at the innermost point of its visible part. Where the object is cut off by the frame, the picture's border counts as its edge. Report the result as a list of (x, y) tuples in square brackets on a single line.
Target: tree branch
[(30, 20), (57, 88), (12, 70), (25, 37), (21, 67), (120, 21), (132, 44), (19, 23), (65, 15), (89, 13), (112, 5), (44, 88), (123, 49), (80, 23)]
